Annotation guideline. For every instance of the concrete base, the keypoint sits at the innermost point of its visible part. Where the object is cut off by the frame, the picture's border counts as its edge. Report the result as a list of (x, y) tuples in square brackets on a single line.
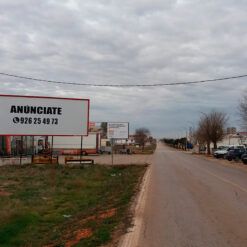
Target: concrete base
[(15, 161)]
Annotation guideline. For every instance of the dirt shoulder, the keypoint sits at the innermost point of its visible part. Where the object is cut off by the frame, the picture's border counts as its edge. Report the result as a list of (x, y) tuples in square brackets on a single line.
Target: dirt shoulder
[(131, 237)]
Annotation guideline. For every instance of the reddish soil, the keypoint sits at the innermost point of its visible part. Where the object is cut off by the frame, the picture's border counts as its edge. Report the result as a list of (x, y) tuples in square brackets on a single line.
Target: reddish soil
[(73, 237), (4, 193), (80, 234), (108, 213)]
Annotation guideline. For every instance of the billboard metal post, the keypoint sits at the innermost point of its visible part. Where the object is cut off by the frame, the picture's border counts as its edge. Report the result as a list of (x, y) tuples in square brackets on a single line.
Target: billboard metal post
[(81, 149), (112, 149), (26, 147), (33, 149), (51, 148), (21, 150)]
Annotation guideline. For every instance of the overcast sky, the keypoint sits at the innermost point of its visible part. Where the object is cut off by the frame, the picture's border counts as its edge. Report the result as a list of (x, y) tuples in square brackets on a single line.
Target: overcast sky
[(128, 42)]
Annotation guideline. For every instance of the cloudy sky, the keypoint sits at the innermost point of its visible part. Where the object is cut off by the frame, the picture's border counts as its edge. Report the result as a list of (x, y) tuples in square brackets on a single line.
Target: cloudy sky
[(129, 42)]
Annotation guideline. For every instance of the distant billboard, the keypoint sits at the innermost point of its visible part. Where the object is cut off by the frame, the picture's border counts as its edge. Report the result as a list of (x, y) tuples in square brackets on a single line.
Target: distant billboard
[(34, 115), (118, 130), (92, 124)]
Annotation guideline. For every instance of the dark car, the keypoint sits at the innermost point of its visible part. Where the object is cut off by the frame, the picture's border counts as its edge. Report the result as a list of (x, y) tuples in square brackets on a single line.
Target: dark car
[(244, 158), (235, 154)]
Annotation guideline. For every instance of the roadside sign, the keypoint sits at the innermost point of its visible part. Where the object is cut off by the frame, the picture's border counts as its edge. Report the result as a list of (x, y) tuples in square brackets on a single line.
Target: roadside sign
[(118, 130), (92, 124), (34, 115)]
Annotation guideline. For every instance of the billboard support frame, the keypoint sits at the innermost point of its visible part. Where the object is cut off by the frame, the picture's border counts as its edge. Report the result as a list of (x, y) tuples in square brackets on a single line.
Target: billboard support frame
[(112, 148), (51, 154), (81, 149), (21, 150)]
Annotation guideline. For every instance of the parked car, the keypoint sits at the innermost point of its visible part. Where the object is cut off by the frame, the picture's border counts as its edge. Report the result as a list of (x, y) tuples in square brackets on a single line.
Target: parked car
[(244, 158), (242, 147), (235, 154), (125, 151), (222, 151), (105, 149)]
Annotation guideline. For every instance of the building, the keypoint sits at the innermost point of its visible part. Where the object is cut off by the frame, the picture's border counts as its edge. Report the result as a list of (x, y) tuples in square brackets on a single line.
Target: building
[(239, 138)]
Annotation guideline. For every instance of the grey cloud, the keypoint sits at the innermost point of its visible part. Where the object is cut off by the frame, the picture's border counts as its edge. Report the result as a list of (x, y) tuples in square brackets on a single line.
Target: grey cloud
[(128, 42)]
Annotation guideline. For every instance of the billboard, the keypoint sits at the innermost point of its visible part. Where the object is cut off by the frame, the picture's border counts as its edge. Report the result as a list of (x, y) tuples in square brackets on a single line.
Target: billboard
[(34, 115), (118, 130)]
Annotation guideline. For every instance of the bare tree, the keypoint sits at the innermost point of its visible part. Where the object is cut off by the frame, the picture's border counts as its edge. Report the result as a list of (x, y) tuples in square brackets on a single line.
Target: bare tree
[(217, 121), (243, 110), (193, 135), (103, 127), (211, 128), (203, 131), (141, 136)]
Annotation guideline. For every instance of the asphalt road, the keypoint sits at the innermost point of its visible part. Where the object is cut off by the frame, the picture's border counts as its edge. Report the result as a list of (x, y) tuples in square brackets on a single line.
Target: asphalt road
[(193, 202)]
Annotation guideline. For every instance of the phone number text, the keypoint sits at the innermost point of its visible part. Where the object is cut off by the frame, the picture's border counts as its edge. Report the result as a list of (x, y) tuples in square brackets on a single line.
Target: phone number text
[(38, 121)]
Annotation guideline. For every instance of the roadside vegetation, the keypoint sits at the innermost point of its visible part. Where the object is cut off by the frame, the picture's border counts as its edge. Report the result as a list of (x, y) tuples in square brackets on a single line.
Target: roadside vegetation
[(243, 111), (211, 129), (147, 144), (56, 206), (146, 150)]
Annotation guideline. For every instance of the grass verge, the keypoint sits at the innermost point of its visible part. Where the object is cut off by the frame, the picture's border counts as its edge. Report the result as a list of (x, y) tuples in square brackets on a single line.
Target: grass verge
[(56, 206)]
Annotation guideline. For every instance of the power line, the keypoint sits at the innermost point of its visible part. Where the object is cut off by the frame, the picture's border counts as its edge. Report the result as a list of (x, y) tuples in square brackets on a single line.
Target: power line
[(123, 85)]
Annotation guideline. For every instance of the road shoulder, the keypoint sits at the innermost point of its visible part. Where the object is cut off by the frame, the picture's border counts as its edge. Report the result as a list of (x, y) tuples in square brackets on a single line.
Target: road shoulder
[(131, 238)]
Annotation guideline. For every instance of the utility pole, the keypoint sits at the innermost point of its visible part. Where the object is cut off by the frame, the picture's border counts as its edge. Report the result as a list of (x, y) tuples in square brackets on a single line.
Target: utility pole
[(186, 141)]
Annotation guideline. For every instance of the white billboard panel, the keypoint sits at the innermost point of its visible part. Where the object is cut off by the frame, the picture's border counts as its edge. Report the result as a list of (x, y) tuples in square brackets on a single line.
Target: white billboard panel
[(31, 115), (118, 130)]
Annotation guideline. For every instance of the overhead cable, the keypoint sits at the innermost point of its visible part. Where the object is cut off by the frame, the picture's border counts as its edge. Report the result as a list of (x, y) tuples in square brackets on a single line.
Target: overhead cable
[(123, 85)]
